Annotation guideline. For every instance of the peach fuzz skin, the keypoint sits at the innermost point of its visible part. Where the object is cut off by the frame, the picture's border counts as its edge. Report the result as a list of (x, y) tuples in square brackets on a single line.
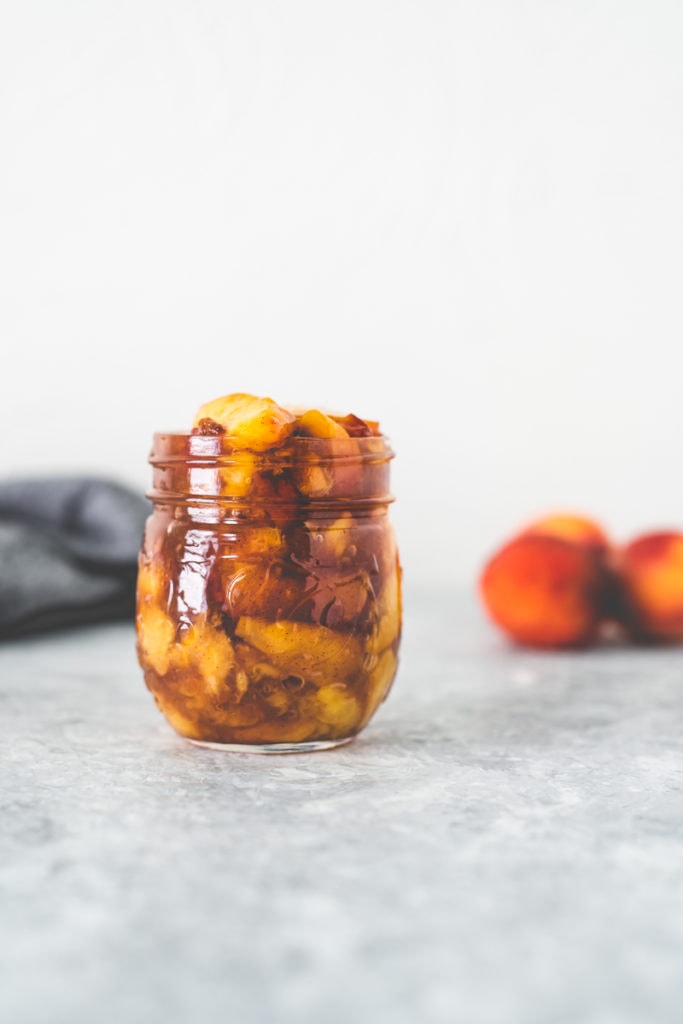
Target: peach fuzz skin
[(545, 591), (650, 571), (572, 527)]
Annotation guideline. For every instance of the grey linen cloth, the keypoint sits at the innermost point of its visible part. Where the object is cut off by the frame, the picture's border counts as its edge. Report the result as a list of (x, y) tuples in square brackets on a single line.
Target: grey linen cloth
[(68, 552)]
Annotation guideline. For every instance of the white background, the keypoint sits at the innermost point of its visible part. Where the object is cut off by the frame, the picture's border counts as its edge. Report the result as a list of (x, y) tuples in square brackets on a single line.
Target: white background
[(464, 218)]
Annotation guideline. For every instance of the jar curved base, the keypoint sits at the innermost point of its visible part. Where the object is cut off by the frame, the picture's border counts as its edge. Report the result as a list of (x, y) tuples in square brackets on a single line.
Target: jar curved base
[(272, 748)]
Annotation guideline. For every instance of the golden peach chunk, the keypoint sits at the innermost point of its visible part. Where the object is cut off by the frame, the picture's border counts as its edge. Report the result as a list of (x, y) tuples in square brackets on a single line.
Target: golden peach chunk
[(254, 668), (314, 423), (241, 715), (388, 627), (180, 721), (156, 635), (313, 480), (351, 597), (152, 582), (251, 422), (329, 545), (236, 479), (334, 705), (302, 649), (279, 730), (333, 470), (210, 652), (261, 540), (380, 679), (206, 652), (267, 588), (356, 427)]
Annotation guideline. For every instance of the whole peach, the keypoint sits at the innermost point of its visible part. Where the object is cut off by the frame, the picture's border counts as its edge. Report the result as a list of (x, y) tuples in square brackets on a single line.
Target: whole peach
[(650, 573), (545, 591), (570, 526)]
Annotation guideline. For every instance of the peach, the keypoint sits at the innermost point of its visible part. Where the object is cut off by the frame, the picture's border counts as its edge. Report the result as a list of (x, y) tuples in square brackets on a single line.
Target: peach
[(314, 423), (570, 526), (250, 421), (545, 591), (332, 470), (650, 574), (303, 649), (356, 427), (270, 587)]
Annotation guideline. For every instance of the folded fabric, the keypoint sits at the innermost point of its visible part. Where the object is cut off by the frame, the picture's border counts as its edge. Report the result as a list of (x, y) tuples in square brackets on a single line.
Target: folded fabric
[(68, 552)]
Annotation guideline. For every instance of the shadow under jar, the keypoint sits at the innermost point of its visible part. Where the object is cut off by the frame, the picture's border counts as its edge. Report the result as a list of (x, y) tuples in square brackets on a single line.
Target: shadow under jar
[(269, 590)]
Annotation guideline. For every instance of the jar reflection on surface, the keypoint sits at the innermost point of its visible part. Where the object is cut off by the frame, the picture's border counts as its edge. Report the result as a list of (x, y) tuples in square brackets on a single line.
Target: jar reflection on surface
[(269, 590)]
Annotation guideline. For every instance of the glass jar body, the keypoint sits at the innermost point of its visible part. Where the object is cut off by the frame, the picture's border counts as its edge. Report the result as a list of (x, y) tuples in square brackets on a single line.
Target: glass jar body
[(269, 620)]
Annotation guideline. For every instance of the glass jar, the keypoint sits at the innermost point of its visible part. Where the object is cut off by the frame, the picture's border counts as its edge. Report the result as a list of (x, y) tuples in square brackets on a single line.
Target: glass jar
[(269, 590)]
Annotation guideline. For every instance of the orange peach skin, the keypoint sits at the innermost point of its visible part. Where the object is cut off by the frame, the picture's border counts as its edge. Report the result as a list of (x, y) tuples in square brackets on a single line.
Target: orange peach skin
[(650, 571), (572, 527), (544, 591)]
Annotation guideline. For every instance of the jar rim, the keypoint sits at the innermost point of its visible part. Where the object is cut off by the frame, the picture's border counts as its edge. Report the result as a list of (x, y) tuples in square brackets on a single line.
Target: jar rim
[(322, 472), (185, 446)]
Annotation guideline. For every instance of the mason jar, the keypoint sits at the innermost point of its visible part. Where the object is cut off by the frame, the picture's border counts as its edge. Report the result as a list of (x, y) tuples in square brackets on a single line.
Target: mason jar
[(269, 590)]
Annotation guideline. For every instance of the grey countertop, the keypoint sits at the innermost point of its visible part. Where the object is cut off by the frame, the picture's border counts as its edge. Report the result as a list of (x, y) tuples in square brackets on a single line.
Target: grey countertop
[(503, 844)]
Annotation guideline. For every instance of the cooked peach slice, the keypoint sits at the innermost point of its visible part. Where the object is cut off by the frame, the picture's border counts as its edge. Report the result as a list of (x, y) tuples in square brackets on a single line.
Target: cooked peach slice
[(236, 479), (210, 652), (249, 421), (336, 706), (276, 494), (277, 730), (333, 469), (152, 584), (389, 613), (242, 561), (356, 427), (327, 546), (344, 601), (302, 649), (203, 650), (314, 423), (183, 721), (156, 636), (380, 678), (259, 540), (269, 588), (313, 480), (254, 667), (650, 572), (545, 591)]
